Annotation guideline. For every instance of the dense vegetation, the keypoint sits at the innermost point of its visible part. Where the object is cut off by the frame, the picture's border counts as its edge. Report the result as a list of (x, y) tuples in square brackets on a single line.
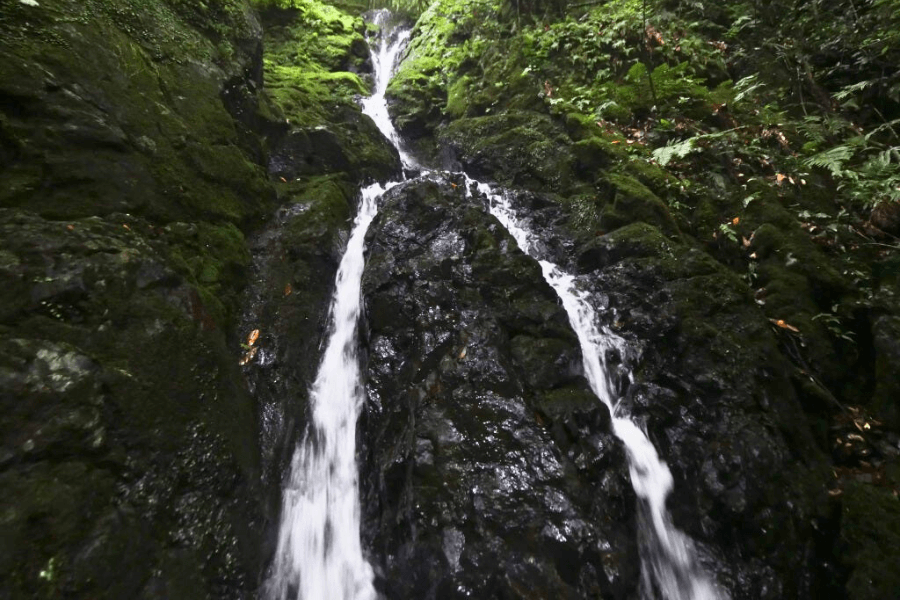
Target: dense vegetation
[(762, 133)]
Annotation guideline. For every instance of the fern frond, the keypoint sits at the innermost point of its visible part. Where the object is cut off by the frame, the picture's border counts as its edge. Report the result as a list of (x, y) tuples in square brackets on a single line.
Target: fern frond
[(668, 152), (849, 90), (832, 159)]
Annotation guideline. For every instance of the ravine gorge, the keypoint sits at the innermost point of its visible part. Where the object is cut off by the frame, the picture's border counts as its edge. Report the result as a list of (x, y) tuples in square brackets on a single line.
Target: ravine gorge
[(468, 299)]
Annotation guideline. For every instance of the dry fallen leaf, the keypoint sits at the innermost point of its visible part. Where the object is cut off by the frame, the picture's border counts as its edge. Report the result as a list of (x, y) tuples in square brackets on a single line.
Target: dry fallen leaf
[(745, 242), (783, 325), (254, 335), (70, 227), (779, 178), (125, 225), (462, 354), (288, 290), (283, 180), (735, 220)]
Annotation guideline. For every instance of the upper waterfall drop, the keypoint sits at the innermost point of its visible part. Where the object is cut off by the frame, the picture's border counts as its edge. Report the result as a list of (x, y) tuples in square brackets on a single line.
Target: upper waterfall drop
[(319, 555), (385, 60)]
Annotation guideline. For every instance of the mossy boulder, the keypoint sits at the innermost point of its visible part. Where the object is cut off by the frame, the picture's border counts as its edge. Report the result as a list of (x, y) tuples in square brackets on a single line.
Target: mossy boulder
[(628, 200), (315, 61), (109, 115), (518, 148)]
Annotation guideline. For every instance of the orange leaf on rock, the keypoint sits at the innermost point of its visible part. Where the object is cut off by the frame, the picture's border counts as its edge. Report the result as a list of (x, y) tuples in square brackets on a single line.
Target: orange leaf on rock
[(254, 335), (783, 325), (288, 290)]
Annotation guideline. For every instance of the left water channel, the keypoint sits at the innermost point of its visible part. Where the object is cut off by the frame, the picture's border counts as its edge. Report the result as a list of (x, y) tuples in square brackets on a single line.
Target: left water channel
[(319, 555)]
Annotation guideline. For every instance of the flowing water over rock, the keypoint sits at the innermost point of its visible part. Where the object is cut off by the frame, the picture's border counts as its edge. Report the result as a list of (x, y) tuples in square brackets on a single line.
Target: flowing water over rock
[(319, 553), (668, 559)]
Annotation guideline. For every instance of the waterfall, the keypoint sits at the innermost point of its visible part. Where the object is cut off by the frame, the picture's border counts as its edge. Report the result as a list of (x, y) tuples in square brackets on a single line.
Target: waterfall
[(669, 563), (319, 555)]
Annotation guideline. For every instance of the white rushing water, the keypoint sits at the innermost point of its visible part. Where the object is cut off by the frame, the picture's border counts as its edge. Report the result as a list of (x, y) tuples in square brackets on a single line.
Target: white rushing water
[(384, 61), (319, 555), (669, 563)]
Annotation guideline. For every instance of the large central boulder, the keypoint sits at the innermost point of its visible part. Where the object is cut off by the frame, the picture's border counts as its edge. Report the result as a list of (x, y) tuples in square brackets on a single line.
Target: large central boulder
[(489, 468)]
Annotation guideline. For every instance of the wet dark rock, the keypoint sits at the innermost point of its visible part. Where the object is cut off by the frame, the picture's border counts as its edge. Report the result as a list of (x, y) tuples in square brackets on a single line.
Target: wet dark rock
[(717, 398), (488, 467), (295, 259), (128, 455), (132, 157)]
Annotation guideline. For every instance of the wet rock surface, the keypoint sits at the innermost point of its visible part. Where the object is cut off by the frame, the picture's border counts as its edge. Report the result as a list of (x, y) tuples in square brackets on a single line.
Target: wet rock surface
[(128, 460), (719, 401), (488, 468), (132, 165), (136, 460)]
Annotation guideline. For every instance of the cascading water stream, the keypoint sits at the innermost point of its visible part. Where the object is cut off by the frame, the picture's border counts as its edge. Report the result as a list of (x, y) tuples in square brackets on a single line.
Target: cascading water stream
[(319, 555), (669, 563), (384, 61)]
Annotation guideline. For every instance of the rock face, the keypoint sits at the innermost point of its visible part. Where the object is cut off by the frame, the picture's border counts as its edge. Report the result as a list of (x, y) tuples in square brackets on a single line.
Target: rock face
[(128, 442), (129, 463), (719, 404), (488, 467)]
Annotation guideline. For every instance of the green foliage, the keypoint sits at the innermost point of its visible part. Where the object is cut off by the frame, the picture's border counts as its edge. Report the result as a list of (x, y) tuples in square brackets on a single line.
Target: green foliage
[(665, 154), (832, 159), (413, 8)]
